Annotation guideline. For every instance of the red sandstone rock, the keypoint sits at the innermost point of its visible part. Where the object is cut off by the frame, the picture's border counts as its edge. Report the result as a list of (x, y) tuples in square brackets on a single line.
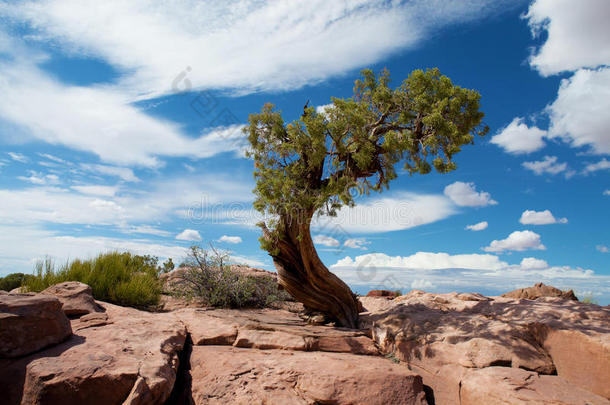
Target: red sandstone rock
[(383, 293), (444, 336), (130, 359), (540, 290), (502, 386), (229, 375), (76, 298), (29, 323)]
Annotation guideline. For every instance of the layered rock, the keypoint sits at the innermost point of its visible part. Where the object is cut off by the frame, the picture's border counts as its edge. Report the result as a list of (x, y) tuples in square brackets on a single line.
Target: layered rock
[(229, 375), (444, 337), (29, 323), (383, 293), (539, 291), (271, 329), (124, 356), (76, 297)]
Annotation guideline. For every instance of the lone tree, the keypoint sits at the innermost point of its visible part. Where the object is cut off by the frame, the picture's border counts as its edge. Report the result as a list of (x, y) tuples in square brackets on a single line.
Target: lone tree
[(315, 165)]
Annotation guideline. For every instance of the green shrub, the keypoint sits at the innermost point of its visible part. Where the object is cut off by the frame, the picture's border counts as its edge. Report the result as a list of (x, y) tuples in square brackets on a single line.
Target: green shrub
[(118, 278), (13, 281), (205, 275)]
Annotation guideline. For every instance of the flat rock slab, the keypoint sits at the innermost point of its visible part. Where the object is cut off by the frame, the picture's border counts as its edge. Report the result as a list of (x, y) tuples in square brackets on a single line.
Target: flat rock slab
[(502, 385), (29, 323), (124, 356), (444, 336), (229, 375), (271, 329), (76, 297)]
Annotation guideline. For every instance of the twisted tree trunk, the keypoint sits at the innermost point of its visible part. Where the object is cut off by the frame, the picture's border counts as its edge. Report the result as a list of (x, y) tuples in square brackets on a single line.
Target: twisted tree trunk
[(303, 275)]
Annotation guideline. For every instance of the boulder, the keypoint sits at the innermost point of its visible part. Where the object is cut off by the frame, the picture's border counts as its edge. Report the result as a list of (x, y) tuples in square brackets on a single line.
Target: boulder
[(76, 297), (29, 323), (503, 385), (540, 290), (124, 356), (229, 375), (383, 293), (443, 337)]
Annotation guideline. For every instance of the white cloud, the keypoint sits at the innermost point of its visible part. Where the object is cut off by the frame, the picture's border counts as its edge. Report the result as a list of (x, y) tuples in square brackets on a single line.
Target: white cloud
[(531, 263), (105, 191), (421, 284), (300, 42), (518, 138), (18, 157), (478, 227), (465, 195), (230, 239), (401, 211), (189, 234), (606, 192), (426, 261), (603, 164), (530, 217), (321, 109), (548, 164), (602, 248), (577, 36), (579, 114), (124, 173), (518, 240), (356, 243), (325, 241), (54, 158), (40, 178), (482, 273)]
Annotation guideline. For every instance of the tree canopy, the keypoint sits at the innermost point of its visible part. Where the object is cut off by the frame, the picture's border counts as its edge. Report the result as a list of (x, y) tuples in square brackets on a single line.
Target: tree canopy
[(317, 161)]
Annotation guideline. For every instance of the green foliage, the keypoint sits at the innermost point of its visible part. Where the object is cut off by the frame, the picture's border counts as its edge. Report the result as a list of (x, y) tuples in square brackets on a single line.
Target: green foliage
[(168, 266), (589, 299), (119, 278), (13, 281), (205, 275), (323, 160)]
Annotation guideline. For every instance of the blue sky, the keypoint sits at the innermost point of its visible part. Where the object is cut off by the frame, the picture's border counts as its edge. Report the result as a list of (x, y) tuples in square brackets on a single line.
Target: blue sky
[(120, 129)]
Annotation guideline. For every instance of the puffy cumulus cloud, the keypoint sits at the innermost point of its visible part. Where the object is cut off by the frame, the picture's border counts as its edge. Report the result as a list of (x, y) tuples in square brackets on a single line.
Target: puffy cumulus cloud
[(602, 248), (530, 217), (518, 138), (426, 261), (603, 164), (189, 234), (487, 274), (398, 212), (577, 37), (548, 164), (299, 43), (230, 239), (465, 195), (606, 192), (518, 241), (326, 241), (579, 113), (478, 226), (356, 243), (529, 263)]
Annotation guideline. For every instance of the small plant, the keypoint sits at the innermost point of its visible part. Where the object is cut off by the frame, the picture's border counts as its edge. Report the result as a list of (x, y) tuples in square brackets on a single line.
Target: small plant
[(391, 356), (206, 275), (589, 299)]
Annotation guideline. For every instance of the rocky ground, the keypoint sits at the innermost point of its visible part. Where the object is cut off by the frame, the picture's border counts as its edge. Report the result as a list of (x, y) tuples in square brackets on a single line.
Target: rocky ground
[(62, 347)]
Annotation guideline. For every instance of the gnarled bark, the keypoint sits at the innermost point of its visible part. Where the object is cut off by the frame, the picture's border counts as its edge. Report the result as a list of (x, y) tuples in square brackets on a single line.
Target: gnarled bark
[(303, 275)]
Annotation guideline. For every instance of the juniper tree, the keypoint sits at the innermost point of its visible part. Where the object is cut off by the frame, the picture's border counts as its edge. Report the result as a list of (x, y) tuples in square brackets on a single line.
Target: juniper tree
[(315, 164)]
